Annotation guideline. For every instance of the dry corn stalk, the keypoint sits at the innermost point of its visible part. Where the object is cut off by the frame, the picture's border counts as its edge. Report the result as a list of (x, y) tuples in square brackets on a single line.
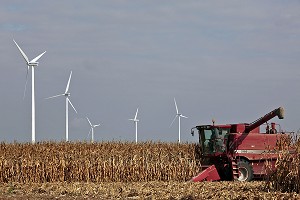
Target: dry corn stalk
[(285, 176), (97, 162)]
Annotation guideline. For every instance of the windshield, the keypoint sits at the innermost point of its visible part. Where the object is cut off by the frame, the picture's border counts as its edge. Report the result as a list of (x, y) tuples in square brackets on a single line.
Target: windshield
[(212, 140)]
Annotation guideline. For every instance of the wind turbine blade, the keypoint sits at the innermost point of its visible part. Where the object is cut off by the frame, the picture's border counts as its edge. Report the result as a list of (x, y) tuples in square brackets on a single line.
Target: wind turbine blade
[(183, 116), (176, 106), (26, 82), (89, 121), (22, 52), (67, 88), (55, 96), (97, 125), (89, 132), (137, 110), (38, 57), (72, 105), (173, 120)]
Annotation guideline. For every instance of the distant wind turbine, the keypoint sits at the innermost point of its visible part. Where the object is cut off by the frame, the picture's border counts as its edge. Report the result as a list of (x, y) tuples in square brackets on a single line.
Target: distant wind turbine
[(135, 120), (33, 63), (179, 115), (92, 128), (66, 94)]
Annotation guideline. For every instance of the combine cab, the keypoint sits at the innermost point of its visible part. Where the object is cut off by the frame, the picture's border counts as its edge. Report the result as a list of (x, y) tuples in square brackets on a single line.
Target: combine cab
[(237, 151)]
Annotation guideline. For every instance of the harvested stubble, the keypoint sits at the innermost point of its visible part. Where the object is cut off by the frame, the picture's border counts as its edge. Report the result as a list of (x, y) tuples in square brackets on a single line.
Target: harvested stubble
[(142, 190), (97, 162), (285, 176)]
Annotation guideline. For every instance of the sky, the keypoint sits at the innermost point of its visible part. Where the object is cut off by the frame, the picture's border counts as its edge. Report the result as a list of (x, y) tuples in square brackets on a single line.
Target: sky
[(233, 61)]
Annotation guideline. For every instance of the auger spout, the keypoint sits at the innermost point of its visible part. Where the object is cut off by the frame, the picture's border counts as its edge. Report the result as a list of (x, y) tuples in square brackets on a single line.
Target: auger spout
[(277, 112)]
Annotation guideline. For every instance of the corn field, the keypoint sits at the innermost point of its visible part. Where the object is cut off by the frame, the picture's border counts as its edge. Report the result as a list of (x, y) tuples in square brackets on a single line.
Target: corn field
[(97, 162), (104, 162), (285, 176)]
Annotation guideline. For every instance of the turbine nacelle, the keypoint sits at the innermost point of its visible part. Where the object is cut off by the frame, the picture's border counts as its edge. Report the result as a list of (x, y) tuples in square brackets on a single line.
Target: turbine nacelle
[(181, 115), (33, 64), (134, 120)]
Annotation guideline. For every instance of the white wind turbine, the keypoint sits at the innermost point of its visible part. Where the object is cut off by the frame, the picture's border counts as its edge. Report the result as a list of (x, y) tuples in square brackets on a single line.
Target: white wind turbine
[(33, 63), (92, 128), (66, 94), (135, 120), (179, 115)]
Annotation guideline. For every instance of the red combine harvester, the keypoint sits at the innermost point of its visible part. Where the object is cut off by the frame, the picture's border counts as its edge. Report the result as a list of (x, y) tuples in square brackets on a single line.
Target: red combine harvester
[(237, 151)]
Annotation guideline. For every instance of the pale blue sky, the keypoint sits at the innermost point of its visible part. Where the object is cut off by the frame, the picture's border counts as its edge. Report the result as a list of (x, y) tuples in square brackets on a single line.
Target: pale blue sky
[(229, 60)]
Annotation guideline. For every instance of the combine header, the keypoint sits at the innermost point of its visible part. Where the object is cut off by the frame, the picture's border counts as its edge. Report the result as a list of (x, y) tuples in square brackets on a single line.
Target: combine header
[(237, 151)]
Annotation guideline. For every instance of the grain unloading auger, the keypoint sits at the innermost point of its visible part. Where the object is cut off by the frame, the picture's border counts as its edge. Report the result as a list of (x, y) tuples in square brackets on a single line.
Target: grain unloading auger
[(237, 151)]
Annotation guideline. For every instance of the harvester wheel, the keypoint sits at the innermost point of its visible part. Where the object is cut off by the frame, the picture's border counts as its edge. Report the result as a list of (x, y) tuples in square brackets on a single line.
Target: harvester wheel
[(245, 171)]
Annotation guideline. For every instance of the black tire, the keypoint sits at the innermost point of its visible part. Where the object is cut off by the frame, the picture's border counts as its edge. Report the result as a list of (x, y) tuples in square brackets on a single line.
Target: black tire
[(245, 171)]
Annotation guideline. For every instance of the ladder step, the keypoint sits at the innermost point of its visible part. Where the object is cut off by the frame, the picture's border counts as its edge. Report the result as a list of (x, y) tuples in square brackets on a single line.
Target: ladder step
[(235, 169)]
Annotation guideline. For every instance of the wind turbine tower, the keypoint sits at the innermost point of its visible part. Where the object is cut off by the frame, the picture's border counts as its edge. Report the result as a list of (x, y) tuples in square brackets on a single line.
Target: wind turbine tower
[(135, 120), (92, 128), (179, 115), (33, 63), (68, 101)]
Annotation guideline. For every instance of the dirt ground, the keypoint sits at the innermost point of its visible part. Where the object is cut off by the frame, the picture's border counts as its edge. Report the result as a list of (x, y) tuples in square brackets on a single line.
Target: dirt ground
[(142, 190)]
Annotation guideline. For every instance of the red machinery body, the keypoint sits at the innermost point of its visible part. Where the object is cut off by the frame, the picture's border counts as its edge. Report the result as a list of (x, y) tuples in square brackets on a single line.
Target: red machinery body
[(238, 151)]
